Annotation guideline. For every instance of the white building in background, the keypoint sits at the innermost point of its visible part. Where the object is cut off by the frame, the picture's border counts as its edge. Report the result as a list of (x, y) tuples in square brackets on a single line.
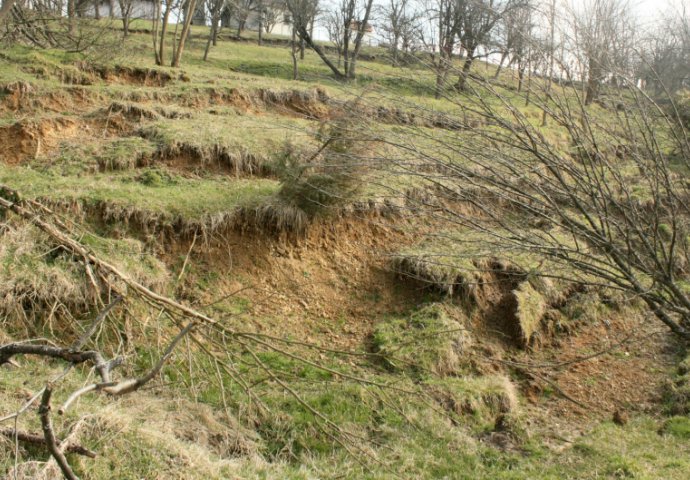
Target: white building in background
[(280, 26), (145, 9)]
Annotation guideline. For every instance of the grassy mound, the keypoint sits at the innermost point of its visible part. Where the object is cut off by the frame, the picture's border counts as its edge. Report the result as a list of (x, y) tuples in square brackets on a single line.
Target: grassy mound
[(237, 143), (428, 342)]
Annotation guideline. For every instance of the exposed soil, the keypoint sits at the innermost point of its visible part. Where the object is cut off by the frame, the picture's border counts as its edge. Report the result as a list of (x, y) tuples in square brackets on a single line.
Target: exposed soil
[(28, 140), (629, 378), (14, 94), (330, 286)]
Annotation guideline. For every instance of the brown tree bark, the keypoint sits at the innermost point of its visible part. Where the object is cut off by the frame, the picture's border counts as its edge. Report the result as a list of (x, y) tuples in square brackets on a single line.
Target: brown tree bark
[(191, 5)]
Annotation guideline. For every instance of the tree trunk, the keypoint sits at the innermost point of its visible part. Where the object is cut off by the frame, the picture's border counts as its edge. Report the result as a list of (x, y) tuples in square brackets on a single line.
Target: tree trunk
[(358, 40), (6, 8), (504, 55), (96, 9), (303, 34), (462, 79), (184, 34), (529, 76), (209, 41), (155, 21), (125, 11), (164, 30), (549, 80), (440, 80), (293, 52), (394, 49), (261, 25), (593, 78), (213, 33), (521, 75), (71, 13)]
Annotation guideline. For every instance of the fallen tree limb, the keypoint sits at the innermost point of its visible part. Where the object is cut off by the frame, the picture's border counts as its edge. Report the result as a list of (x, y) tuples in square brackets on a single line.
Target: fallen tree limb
[(66, 241), (74, 357), (133, 384), (49, 435), (36, 439)]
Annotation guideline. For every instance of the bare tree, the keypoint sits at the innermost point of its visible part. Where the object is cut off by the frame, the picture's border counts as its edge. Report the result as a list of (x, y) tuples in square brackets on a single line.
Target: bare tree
[(476, 21), (551, 52), (354, 17), (188, 12), (241, 10), (160, 29), (335, 27), (399, 25), (301, 14), (603, 32), (215, 8), (166, 6), (126, 8), (666, 52), (439, 37), (609, 213), (273, 13), (43, 24), (514, 35)]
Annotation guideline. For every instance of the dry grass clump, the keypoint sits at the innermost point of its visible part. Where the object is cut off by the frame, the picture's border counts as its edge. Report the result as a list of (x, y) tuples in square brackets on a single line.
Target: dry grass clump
[(86, 73), (677, 394), (147, 435), (482, 397), (15, 93), (310, 103), (531, 307), (42, 282), (273, 218), (37, 277), (140, 112)]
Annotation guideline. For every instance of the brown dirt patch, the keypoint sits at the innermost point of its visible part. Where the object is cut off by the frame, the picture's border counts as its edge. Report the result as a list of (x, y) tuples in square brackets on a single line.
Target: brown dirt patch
[(629, 378), (24, 141), (15, 93), (328, 288)]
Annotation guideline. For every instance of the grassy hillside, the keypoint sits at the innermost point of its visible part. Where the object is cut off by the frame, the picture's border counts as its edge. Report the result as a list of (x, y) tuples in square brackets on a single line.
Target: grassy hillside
[(355, 334)]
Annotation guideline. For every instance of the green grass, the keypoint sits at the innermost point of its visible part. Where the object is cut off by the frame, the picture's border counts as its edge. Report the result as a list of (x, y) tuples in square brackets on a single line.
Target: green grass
[(203, 426), (150, 190), (428, 342)]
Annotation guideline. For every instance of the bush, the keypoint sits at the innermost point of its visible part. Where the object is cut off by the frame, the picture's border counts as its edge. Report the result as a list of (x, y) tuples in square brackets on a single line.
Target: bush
[(331, 177)]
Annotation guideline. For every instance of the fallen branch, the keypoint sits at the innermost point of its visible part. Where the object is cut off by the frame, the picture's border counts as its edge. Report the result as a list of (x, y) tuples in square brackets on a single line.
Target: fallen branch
[(36, 439), (127, 386), (49, 435), (102, 366), (76, 247)]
